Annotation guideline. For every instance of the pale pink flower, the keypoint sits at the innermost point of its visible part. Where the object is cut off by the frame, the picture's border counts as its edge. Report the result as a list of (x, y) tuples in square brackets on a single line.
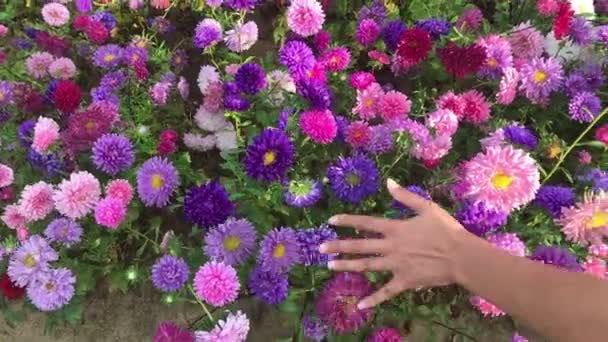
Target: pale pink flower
[(55, 14), (198, 142), (210, 122), (226, 140), (6, 176), (508, 86), (38, 63), (62, 68), (206, 76), (214, 99), (232, 69), (368, 101), (12, 216), (46, 132), (444, 121), (305, 17), (242, 37), (433, 149), (76, 197), (234, 329), (587, 221), (36, 201), (22, 233)]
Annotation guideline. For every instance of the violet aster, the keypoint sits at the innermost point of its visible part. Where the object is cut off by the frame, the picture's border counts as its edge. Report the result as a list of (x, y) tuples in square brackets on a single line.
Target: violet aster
[(250, 78), (179, 59), (25, 132), (436, 27), (376, 11), (157, 179), (581, 31), (521, 136), (207, 33), (588, 78), (6, 92), (283, 121), (30, 260), (48, 163), (236, 103), (479, 219), (584, 107), (314, 328), (391, 34), (270, 288), (113, 80), (556, 256), (352, 179), (108, 56), (231, 242), (279, 250), (368, 32), (113, 153), (269, 156), (207, 205), (134, 54), (303, 193), (64, 231), (597, 177), (52, 289), (316, 92), (310, 240), (170, 273), (238, 5), (555, 197), (540, 77), (297, 57), (498, 55), (382, 140)]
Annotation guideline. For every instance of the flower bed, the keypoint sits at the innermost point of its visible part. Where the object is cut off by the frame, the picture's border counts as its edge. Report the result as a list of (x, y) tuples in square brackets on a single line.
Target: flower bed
[(201, 146)]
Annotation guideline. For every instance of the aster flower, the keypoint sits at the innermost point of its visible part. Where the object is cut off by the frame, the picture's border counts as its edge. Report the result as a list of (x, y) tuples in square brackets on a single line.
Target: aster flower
[(64, 231), (36, 201), (563, 20), (207, 205), (46, 132), (52, 289), (476, 108), (601, 135), (470, 19), (368, 32), (159, 92), (526, 41), (247, 5), (231, 242), (179, 59), (319, 125), (498, 55), (206, 76), (6, 176), (157, 179), (234, 329), (547, 7), (382, 140), (503, 178), (270, 288), (391, 33), (508, 86), (110, 212), (250, 78), (310, 240), (581, 31), (556, 256), (76, 196), (385, 335), (199, 143), (336, 59), (360, 80), (216, 283), (31, 260), (431, 149), (584, 107), (47, 162), (242, 36), (9, 290), (353, 179), (210, 122), (337, 302), (67, 96), (297, 57), (587, 221), (55, 14), (108, 56), (394, 105), (453, 102), (480, 220), (443, 121), (13, 217), (597, 177), (305, 17), (376, 11), (269, 156), (522, 136), (358, 134), (435, 27), (62, 68), (462, 61), (368, 101), (207, 33), (133, 54), (316, 93), (279, 250), (97, 32), (314, 329), (303, 193), (38, 63), (170, 273), (113, 80), (113, 153), (413, 47), (171, 332)]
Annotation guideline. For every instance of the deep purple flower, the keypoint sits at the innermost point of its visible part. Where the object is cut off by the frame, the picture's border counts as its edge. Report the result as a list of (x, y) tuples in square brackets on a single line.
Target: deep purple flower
[(269, 156), (279, 250), (597, 177), (208, 205), (25, 132), (479, 219), (315, 92), (6, 92), (64, 230), (113, 80), (157, 179), (5, 116), (310, 240), (207, 33), (555, 197), (558, 257), (391, 34), (436, 27), (107, 18), (113, 153), (521, 136), (52, 289), (134, 54), (314, 329), (231, 242), (580, 31), (283, 120), (250, 78), (22, 44), (170, 273), (104, 94), (588, 78), (354, 178), (49, 163), (238, 5), (342, 124), (236, 103), (297, 57), (303, 193), (271, 288), (584, 107), (179, 59)]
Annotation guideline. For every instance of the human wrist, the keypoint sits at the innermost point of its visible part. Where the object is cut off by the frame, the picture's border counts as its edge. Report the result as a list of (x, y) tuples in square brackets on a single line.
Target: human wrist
[(466, 246)]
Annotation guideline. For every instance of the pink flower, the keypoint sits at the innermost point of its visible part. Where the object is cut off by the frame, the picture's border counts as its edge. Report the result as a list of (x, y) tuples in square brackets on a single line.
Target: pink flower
[(242, 36), (76, 197), (22, 233), (394, 105), (336, 59), (36, 201), (496, 138), (368, 100), (62, 68), (317, 72), (3, 30), (486, 308), (12, 216), (508, 86), (305, 17), (121, 189), (587, 221), (234, 329), (46, 132), (431, 151), (526, 41), (216, 283), (319, 125), (547, 7), (380, 57), (601, 134), (38, 63), (160, 4), (6, 176), (110, 212), (476, 108), (358, 134), (597, 267), (452, 102), (214, 99), (55, 14), (231, 69), (444, 121), (360, 80), (584, 157)]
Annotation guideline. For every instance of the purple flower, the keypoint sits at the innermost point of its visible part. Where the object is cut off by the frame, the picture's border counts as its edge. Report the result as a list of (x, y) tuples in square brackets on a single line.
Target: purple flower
[(368, 32), (555, 197), (52, 289), (250, 78), (297, 57), (354, 178), (436, 27), (134, 54), (279, 250), (499, 56), (314, 329), (521, 136), (157, 179), (479, 219), (601, 34), (113, 153), (376, 12), (597, 177), (231, 242), (310, 240), (22, 44), (159, 93), (236, 103), (303, 193), (588, 78), (238, 5), (382, 140), (207, 33), (584, 107), (540, 77), (470, 19), (580, 31), (391, 34), (113, 80), (161, 25), (104, 94), (170, 273), (283, 120), (558, 257), (171, 332), (5, 116), (64, 230), (47, 162), (179, 59), (418, 190), (107, 18), (268, 287), (83, 6), (269, 156), (30, 260), (208, 205), (6, 93), (315, 92), (108, 56)]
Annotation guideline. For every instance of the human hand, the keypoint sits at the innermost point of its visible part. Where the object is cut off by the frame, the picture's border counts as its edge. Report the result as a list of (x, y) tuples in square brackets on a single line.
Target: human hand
[(420, 252)]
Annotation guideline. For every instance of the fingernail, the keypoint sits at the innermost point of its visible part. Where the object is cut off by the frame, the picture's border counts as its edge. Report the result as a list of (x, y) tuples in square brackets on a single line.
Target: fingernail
[(361, 306), (331, 265), (391, 184), (323, 248), (333, 220)]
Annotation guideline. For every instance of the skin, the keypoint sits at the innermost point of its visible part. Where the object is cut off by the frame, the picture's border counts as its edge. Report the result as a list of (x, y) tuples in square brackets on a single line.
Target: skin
[(433, 249)]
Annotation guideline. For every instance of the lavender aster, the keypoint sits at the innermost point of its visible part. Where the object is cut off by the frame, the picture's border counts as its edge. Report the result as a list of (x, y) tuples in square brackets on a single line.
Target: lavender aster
[(207, 205), (207, 33), (238, 5), (584, 107), (435, 27), (25, 132), (64, 230), (376, 12), (157, 179), (354, 178), (250, 78), (555, 197), (30, 260), (521, 136), (303, 193), (134, 54), (49, 163), (391, 34), (310, 240), (113, 153), (6, 93), (558, 257), (315, 92), (52, 289), (479, 219), (231, 242), (597, 177), (297, 57), (601, 34), (113, 80), (170, 273), (108, 56), (104, 94), (314, 328), (279, 250), (382, 140), (268, 287), (540, 77), (179, 59), (580, 31), (269, 156)]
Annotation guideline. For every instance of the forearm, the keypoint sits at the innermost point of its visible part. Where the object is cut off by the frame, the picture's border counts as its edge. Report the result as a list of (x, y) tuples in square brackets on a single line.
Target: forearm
[(561, 305)]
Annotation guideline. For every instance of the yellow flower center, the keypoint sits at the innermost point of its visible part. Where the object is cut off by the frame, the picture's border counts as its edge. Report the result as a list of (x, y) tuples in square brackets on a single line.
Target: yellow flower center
[(232, 242), (492, 63), (1, 96), (369, 102), (350, 304), (333, 60), (135, 58), (279, 251), (29, 261), (598, 220), (109, 57), (49, 287), (554, 151), (540, 76), (353, 179), (269, 158), (157, 181), (501, 181), (90, 125)]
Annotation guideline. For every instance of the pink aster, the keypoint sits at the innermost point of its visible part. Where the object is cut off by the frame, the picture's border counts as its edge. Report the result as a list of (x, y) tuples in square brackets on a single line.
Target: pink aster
[(38, 63), (234, 329), (597, 267), (496, 138), (62, 68), (358, 134), (476, 108), (368, 100), (305, 17), (394, 105), (452, 102), (379, 57), (508, 86), (587, 221), (214, 99), (360, 80), (55, 14), (317, 72), (502, 177), (486, 308), (431, 150), (6, 176), (526, 41), (336, 59), (444, 121), (110, 212), (319, 125), (12, 217), (36, 201), (46, 132), (216, 283), (547, 7), (76, 197), (121, 189)]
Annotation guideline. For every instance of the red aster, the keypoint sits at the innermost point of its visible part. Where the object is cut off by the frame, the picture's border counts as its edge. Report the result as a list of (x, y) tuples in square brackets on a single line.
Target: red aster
[(67, 96), (413, 47), (9, 289), (561, 25), (462, 61)]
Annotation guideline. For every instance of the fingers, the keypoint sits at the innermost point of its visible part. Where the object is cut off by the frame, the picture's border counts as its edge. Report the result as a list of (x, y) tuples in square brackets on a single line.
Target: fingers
[(388, 291), (355, 246), (407, 198), (360, 222), (359, 265)]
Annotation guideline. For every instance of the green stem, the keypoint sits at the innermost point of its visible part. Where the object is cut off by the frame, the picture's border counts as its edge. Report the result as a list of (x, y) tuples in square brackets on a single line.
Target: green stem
[(143, 236), (573, 145), (201, 303)]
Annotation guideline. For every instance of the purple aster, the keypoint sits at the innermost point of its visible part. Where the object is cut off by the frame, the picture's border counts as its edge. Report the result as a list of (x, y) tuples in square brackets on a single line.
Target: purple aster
[(169, 77), (315, 92), (297, 57), (540, 77), (52, 289), (470, 19), (283, 121), (208, 205), (171, 332), (64, 230), (479, 219), (269, 156), (250, 78), (5, 116), (382, 140), (555, 197), (314, 329), (498, 56), (107, 18), (133, 54), (161, 25), (601, 34), (113, 80), (436, 27), (104, 94), (47, 162), (521, 136), (354, 178), (376, 11), (30, 260), (368, 32), (84, 6), (22, 44), (179, 59), (108, 56), (597, 177), (509, 242), (303, 193), (279, 250), (25, 132), (51, 87), (268, 287), (418, 190), (31, 32), (310, 240), (238, 5), (170, 273), (584, 107), (391, 34), (157, 179), (594, 75), (231, 242), (580, 31), (113, 153), (236, 103), (575, 83), (342, 124), (558, 257), (207, 33), (6, 92)]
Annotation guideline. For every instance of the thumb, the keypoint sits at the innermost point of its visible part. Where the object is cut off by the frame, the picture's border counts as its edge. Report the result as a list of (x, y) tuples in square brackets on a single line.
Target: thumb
[(407, 198)]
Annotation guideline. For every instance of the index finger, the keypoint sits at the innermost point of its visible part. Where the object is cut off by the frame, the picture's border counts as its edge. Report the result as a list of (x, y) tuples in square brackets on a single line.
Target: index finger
[(360, 222)]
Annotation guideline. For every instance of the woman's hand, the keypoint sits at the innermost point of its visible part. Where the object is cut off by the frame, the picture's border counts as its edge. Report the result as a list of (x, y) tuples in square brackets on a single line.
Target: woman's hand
[(420, 252)]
